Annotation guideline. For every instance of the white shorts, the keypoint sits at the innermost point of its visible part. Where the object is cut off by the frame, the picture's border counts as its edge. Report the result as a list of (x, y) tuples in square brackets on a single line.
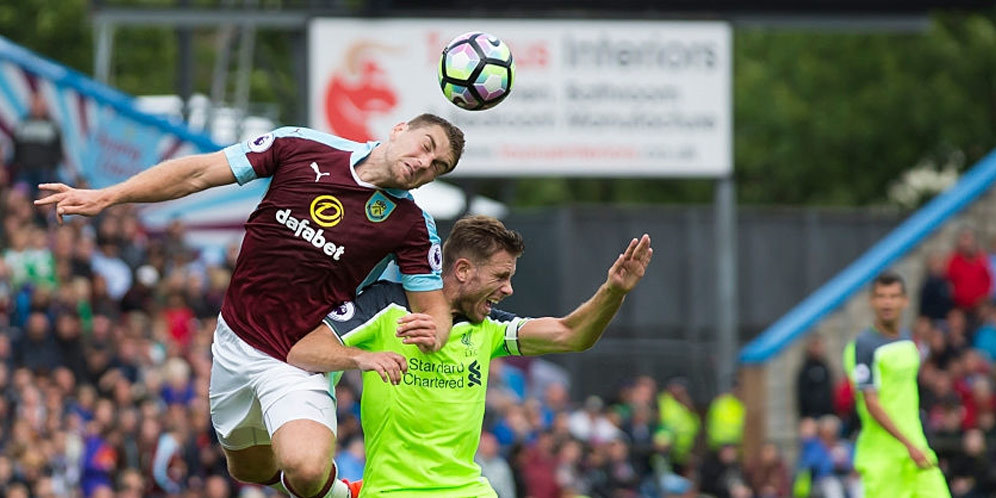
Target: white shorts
[(253, 394)]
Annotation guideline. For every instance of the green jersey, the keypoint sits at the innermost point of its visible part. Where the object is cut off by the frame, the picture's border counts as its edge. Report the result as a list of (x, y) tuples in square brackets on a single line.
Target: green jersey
[(889, 366), (421, 435)]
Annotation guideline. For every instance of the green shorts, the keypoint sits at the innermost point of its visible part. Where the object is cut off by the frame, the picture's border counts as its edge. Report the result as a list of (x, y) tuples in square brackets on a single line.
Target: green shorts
[(900, 478)]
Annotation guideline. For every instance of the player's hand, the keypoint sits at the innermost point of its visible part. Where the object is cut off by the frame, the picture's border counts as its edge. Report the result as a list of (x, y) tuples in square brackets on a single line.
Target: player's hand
[(69, 200), (418, 329), (631, 265), (390, 366), (919, 457)]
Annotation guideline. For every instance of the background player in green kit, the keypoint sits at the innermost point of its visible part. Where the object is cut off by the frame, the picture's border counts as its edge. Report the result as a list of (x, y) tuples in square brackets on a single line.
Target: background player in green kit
[(422, 433), (891, 454)]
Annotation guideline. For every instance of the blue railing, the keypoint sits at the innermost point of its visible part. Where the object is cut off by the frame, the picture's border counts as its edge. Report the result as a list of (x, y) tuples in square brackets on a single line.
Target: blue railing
[(121, 102), (799, 320)]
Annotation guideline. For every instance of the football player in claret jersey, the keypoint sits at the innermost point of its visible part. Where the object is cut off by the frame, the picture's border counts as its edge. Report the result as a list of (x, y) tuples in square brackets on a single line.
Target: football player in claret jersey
[(422, 432), (335, 215)]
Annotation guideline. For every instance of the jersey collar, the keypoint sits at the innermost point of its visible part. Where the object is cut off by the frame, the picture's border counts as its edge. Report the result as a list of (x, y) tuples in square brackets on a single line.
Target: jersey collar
[(904, 333)]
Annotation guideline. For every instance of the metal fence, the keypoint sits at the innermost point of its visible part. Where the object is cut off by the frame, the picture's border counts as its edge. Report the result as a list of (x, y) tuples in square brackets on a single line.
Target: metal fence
[(667, 326)]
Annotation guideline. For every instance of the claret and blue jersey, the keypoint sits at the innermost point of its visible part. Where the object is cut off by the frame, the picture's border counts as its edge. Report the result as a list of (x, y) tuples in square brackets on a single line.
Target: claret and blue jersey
[(318, 235)]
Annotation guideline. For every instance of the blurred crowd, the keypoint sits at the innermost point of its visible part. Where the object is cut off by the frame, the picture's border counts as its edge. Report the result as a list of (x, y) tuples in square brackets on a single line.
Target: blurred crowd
[(648, 440), (955, 332), (105, 334), (956, 335)]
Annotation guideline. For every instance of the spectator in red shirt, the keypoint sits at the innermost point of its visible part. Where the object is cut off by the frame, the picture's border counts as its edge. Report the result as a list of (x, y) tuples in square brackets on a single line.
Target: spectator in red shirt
[(179, 320), (969, 272), (540, 468)]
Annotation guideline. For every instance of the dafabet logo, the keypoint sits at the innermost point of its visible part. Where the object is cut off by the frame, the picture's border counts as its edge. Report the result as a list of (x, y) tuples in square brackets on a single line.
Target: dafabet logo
[(321, 209), (326, 211)]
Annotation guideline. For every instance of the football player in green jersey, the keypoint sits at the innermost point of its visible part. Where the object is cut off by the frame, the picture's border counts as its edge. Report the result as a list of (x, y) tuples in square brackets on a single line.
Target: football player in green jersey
[(891, 453), (422, 428)]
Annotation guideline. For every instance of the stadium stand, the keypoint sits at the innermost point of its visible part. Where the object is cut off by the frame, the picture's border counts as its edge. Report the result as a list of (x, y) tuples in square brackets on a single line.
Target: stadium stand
[(105, 328)]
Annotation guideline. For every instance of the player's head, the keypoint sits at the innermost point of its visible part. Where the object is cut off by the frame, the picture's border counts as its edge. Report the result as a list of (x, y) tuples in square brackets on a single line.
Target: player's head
[(453, 134), (888, 298), (420, 150), (967, 243), (479, 260), (39, 109)]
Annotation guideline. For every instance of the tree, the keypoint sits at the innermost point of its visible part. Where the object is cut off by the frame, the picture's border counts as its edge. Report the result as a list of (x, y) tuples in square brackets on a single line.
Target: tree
[(820, 117), (834, 118), (52, 28)]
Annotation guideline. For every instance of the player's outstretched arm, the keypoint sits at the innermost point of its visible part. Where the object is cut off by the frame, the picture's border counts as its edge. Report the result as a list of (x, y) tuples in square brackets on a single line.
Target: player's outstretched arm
[(431, 303), (321, 351), (168, 180), (582, 328), (882, 417)]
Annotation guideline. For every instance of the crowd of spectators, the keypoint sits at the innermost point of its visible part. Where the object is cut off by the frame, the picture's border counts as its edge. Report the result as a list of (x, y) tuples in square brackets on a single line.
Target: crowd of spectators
[(643, 441), (648, 441), (955, 332), (105, 334), (956, 335)]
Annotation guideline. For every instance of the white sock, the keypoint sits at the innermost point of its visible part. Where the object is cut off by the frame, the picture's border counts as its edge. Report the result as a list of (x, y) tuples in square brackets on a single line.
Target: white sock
[(337, 490)]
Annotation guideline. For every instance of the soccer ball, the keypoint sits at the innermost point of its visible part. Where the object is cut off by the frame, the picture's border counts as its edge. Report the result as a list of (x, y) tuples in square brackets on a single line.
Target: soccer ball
[(476, 71)]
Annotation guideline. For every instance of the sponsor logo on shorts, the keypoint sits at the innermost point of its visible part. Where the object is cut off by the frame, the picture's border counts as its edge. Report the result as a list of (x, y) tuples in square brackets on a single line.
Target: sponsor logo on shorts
[(379, 207), (317, 238), (436, 257), (327, 211), (261, 143), (343, 312)]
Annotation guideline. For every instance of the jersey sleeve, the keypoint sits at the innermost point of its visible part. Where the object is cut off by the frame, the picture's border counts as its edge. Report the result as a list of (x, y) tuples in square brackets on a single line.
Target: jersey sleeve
[(865, 374), (365, 337), (420, 257), (501, 315), (504, 334), (356, 323), (257, 157)]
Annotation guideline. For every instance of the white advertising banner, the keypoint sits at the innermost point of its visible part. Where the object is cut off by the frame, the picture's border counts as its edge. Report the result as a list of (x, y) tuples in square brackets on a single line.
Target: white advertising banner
[(590, 98)]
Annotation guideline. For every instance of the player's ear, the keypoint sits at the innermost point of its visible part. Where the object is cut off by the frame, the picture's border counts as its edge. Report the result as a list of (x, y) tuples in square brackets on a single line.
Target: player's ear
[(398, 128), (462, 268)]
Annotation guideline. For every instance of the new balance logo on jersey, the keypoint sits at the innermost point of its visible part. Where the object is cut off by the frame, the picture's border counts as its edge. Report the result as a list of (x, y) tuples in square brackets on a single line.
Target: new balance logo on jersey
[(316, 238), (318, 173)]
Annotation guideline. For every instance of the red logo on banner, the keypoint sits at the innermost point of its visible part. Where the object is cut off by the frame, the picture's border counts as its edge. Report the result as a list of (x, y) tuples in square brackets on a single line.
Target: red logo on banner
[(359, 90)]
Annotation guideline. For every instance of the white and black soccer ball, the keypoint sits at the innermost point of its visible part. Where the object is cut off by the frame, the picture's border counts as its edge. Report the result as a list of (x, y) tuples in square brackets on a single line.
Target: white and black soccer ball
[(476, 71)]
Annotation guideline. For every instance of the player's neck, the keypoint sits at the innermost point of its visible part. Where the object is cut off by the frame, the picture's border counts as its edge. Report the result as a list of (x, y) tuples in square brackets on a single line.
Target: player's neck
[(373, 169), (450, 294), (886, 329)]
